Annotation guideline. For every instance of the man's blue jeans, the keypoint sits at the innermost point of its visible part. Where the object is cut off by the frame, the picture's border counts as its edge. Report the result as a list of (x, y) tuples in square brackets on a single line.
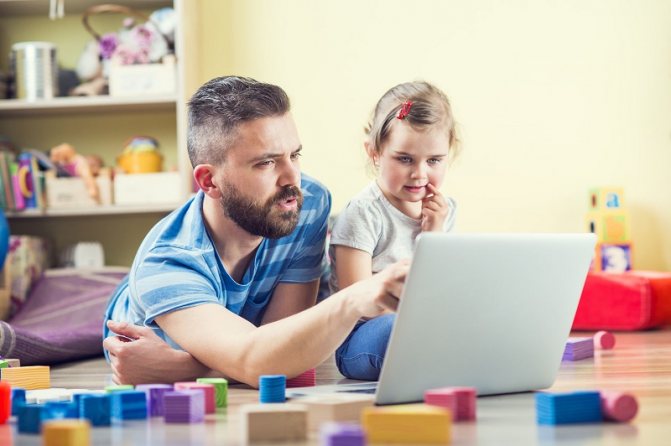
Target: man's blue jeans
[(362, 353)]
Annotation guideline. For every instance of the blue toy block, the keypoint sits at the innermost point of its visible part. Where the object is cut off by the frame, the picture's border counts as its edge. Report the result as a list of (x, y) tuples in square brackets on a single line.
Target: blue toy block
[(568, 407), (58, 410), (18, 399), (96, 408), (31, 417), (129, 405)]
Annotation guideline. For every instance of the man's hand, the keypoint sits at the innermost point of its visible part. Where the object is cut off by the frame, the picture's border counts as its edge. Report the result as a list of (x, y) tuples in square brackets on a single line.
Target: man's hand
[(373, 296), (434, 210), (138, 356)]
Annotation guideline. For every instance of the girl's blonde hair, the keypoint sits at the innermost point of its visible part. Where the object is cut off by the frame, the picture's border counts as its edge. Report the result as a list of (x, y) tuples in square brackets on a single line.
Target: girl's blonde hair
[(429, 107)]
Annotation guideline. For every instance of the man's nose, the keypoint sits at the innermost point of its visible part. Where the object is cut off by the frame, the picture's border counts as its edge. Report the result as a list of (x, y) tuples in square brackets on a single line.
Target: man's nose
[(291, 175)]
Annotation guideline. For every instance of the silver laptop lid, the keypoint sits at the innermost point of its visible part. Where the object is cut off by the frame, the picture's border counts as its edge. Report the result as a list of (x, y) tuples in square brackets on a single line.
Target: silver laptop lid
[(491, 311)]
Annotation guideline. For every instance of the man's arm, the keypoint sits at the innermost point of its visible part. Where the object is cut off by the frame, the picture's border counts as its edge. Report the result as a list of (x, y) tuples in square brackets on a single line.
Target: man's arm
[(289, 299), (236, 348)]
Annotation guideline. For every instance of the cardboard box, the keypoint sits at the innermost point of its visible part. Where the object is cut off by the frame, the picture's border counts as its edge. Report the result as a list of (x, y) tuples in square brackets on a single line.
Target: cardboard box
[(144, 79), (68, 193), (148, 188)]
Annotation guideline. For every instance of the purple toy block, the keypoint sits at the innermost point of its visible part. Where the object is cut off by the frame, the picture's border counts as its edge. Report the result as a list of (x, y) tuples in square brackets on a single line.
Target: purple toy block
[(578, 348), (342, 434), (155, 394), (184, 406)]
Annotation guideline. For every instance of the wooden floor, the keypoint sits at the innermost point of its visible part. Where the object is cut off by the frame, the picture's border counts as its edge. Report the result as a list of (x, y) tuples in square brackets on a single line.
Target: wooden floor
[(640, 363)]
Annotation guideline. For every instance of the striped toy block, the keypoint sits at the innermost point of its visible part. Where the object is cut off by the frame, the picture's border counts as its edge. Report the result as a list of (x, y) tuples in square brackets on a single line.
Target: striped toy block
[(601, 198), (128, 405), (209, 393), (408, 424), (30, 378)]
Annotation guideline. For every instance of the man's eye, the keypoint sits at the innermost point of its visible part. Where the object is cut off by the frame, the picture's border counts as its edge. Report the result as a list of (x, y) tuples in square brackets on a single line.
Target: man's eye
[(266, 163), (295, 156)]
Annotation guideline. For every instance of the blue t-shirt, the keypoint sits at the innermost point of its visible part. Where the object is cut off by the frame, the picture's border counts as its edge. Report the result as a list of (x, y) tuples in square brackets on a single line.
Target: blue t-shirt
[(178, 267)]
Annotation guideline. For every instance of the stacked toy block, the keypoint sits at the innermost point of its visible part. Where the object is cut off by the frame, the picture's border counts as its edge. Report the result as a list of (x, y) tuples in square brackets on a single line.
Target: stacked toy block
[(460, 401), (585, 407), (609, 220)]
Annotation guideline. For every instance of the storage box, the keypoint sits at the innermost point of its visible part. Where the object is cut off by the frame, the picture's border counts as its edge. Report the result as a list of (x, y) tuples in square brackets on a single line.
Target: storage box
[(145, 79), (148, 188), (68, 193)]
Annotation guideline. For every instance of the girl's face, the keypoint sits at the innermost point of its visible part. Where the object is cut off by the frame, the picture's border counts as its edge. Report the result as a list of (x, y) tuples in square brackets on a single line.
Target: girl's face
[(410, 159)]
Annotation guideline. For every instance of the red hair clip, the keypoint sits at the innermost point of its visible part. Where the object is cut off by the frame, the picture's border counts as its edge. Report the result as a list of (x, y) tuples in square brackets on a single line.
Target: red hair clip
[(405, 110)]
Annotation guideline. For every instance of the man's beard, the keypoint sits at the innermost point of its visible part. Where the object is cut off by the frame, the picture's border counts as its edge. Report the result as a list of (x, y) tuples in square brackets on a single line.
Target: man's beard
[(265, 220)]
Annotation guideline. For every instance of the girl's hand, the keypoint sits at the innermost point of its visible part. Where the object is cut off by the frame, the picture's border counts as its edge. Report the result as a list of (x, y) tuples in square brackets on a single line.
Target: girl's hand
[(434, 210)]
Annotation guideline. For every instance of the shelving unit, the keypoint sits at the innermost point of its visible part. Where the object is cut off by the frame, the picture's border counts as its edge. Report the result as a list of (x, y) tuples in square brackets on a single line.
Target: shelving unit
[(98, 124)]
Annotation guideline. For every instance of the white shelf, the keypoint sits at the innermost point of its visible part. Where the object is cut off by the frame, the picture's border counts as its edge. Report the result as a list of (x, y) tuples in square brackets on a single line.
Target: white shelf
[(93, 211), (36, 7), (86, 104)]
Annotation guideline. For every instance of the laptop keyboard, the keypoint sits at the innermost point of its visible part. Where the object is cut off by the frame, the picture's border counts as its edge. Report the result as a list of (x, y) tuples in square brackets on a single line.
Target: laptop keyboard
[(370, 390)]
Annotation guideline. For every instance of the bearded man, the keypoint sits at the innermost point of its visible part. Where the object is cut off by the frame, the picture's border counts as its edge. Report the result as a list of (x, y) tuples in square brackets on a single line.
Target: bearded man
[(226, 285)]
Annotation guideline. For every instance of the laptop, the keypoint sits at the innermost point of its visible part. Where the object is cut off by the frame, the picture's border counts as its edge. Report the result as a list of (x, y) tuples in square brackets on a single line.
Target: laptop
[(490, 311)]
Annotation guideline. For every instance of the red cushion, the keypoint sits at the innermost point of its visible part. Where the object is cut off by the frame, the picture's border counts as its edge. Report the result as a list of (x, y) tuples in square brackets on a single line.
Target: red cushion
[(634, 300)]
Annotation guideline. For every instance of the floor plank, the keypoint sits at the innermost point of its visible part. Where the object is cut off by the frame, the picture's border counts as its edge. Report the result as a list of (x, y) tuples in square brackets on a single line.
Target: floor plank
[(640, 363)]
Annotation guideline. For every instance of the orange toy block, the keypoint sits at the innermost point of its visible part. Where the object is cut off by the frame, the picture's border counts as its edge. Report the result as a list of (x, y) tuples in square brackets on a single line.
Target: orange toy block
[(407, 424)]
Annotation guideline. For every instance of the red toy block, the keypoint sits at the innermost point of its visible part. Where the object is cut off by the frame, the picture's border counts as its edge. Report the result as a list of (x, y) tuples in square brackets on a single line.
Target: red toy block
[(635, 300), (5, 401)]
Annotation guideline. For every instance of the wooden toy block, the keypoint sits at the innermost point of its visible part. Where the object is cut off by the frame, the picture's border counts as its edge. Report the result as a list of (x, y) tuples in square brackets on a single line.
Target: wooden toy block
[(606, 198), (604, 340), (609, 226), (613, 258), (272, 388), (13, 362), (96, 408), (119, 388), (29, 378), (568, 407), (66, 433), (207, 389), (5, 402), (220, 390), (578, 348), (18, 399), (42, 396), (342, 434), (3, 364), (305, 379), (409, 424), (334, 407), (155, 393), (184, 406), (128, 405), (442, 397), (274, 422)]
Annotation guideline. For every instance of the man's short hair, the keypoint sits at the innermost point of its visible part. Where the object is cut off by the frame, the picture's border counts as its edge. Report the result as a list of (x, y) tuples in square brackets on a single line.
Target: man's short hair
[(220, 106)]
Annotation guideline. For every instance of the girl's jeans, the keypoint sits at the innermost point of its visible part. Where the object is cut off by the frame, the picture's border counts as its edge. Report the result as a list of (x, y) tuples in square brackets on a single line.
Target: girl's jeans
[(361, 355)]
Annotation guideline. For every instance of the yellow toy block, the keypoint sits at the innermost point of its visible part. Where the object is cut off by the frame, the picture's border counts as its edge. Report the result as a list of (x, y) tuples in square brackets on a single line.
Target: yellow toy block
[(30, 378), (613, 257), (66, 433), (601, 198), (610, 226), (407, 424), (273, 422)]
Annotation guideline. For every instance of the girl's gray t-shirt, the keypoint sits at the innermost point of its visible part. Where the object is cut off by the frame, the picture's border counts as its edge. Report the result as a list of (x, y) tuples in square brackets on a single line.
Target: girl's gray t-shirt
[(372, 224)]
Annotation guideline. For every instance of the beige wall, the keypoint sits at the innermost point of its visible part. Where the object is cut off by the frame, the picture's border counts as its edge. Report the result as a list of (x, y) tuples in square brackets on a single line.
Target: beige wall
[(552, 97)]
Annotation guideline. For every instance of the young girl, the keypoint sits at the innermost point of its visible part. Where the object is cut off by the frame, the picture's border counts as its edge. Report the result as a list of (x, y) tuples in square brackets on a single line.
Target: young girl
[(410, 140)]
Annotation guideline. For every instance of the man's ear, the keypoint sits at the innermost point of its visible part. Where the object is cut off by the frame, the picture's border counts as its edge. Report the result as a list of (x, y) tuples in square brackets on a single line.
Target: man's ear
[(204, 176)]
